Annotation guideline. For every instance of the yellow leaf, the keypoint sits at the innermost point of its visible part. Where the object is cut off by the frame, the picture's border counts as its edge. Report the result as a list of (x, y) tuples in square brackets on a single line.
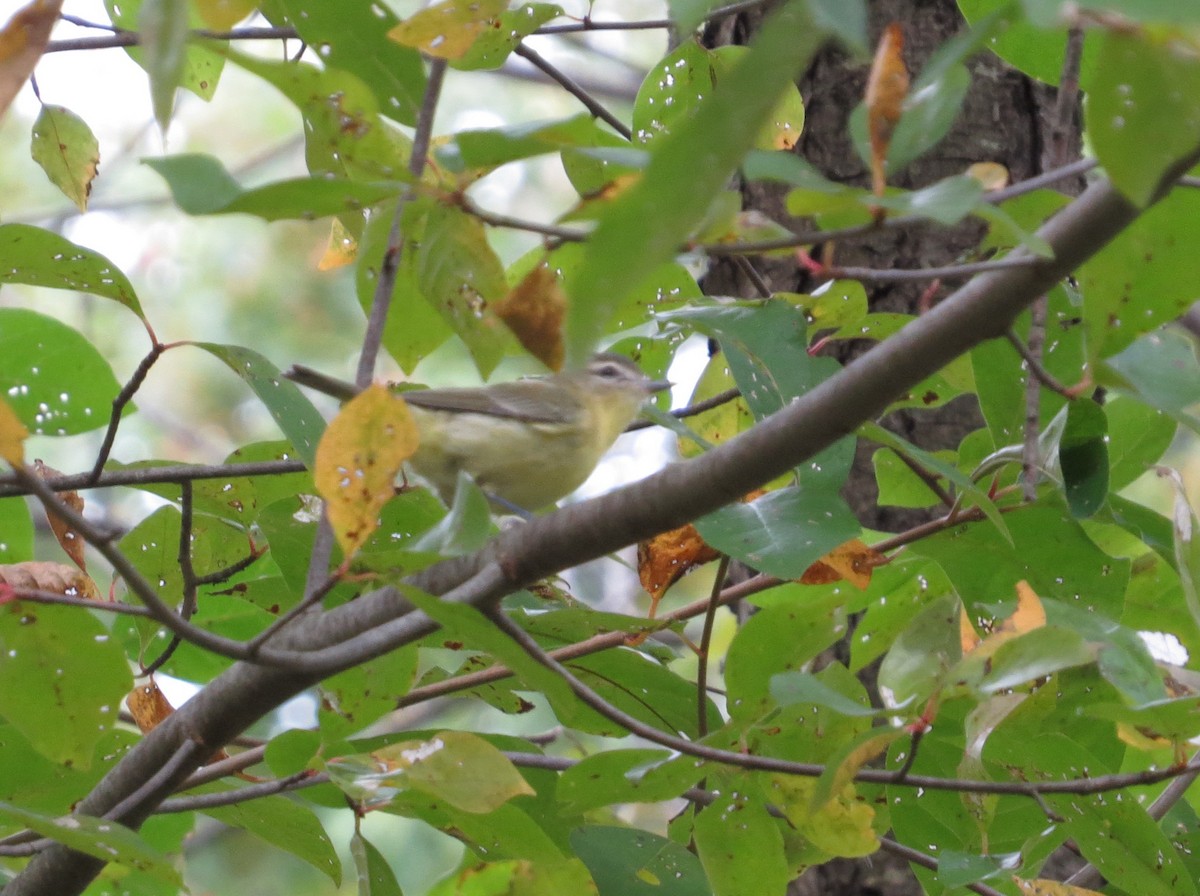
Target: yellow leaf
[(358, 459), (221, 15), (12, 435), (22, 42), (342, 249), (448, 29), (991, 175), (1050, 888)]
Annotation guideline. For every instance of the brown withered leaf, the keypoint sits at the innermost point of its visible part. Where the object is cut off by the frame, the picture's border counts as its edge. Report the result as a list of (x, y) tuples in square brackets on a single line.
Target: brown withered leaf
[(1030, 614), (66, 535), (668, 557), (57, 578), (534, 310), (22, 42), (887, 87), (148, 705), (852, 561)]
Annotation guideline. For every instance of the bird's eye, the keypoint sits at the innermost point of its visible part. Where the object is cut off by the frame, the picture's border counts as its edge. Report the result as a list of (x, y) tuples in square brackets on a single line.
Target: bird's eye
[(609, 371)]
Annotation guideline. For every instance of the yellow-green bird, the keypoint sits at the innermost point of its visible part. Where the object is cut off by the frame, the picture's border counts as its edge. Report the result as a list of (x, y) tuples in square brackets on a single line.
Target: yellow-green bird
[(526, 443)]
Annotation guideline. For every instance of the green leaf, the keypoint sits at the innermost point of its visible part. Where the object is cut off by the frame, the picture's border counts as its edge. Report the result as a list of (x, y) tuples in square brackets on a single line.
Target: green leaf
[(68, 152), (647, 224), (1036, 51), (1138, 436), (375, 875), (202, 65), (16, 531), (413, 328), (72, 676), (344, 133), (1141, 87), (492, 48), (629, 862), (773, 641), (625, 776), (497, 146), (739, 843), (292, 751), (353, 699), (464, 770), (163, 29), (1083, 457), (201, 186), (353, 37), (789, 688), (460, 275), (41, 258), (1143, 278), (295, 415), (923, 653), (1125, 844), (1161, 369), (51, 376), (783, 532), (1049, 550), (673, 90), (282, 822), (99, 837)]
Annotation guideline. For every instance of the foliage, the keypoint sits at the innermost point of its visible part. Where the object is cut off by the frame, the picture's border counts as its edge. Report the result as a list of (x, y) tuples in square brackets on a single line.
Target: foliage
[(1016, 708)]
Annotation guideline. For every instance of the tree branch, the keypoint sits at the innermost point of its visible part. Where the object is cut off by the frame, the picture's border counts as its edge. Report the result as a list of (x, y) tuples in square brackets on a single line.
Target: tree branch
[(351, 633)]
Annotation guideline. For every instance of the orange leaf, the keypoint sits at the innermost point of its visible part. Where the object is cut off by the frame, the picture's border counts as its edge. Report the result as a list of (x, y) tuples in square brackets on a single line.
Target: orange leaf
[(1030, 614), (342, 248), (148, 706), (22, 42), (534, 311), (852, 561), (67, 537), (887, 86), (357, 461), (668, 557), (12, 435)]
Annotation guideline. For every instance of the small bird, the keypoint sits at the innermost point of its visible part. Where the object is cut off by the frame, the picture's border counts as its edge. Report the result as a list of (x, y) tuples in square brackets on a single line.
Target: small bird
[(526, 443)]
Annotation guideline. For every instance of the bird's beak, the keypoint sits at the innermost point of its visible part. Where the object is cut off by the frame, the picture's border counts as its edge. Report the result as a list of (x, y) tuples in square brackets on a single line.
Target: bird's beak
[(658, 386)]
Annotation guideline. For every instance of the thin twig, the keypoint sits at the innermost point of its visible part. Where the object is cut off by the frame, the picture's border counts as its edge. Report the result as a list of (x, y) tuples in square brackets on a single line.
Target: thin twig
[(202, 801), (118, 408), (567, 83), (36, 596), (132, 38), (710, 616), (1038, 373), (11, 487), (691, 410)]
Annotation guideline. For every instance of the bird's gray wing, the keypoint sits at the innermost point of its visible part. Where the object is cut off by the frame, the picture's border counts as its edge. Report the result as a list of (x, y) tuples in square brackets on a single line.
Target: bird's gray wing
[(531, 401)]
